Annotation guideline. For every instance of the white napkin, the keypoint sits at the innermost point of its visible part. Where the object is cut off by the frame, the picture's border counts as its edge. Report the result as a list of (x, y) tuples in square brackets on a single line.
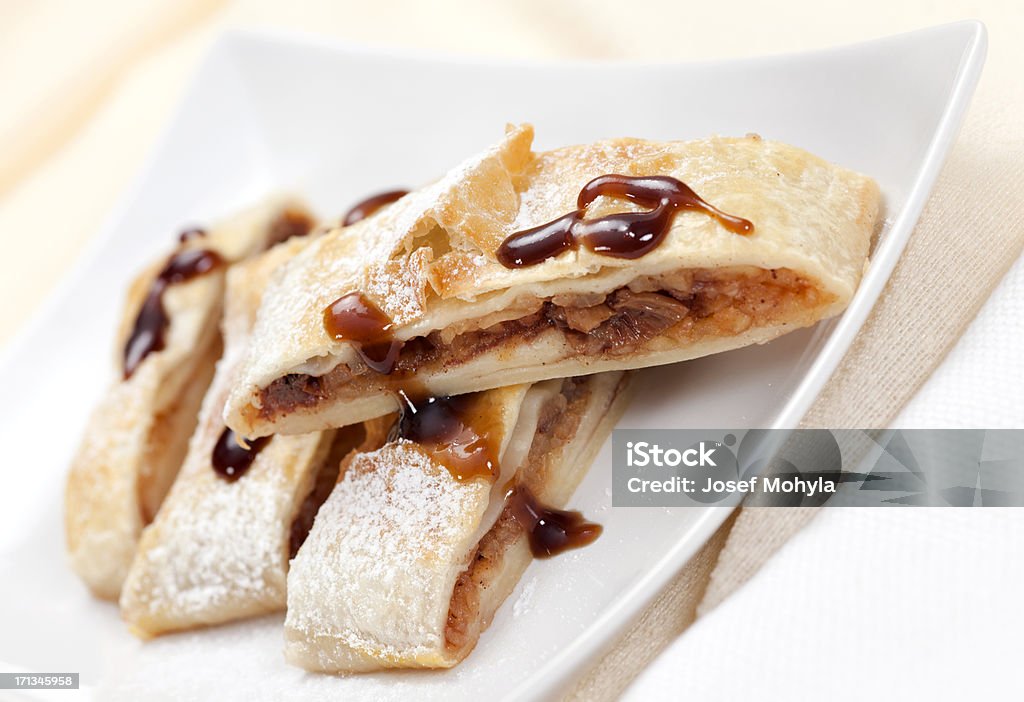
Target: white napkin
[(900, 603), (866, 603)]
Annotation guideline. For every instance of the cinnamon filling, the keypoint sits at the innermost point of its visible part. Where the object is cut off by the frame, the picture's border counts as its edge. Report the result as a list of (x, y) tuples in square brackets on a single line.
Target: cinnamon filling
[(559, 422), (683, 307)]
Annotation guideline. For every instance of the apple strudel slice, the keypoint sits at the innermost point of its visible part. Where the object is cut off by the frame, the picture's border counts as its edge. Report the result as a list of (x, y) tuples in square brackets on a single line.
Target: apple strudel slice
[(219, 547), (520, 266), (422, 539), (138, 434)]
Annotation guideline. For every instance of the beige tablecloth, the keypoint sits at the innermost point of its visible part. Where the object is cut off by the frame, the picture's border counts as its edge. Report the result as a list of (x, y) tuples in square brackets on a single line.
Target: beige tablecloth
[(87, 86)]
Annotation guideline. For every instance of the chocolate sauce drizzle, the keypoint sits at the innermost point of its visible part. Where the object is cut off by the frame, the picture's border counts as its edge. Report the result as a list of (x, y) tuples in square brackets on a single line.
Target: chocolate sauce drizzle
[(457, 431), (231, 461), (550, 531), (150, 329), (623, 235), (367, 207), (356, 319)]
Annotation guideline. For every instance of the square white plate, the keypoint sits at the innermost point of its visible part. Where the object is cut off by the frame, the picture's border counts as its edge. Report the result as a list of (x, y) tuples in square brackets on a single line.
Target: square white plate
[(335, 122)]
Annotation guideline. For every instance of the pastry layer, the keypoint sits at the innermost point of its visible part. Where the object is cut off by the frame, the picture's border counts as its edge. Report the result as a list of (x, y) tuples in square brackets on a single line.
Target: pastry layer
[(123, 468), (406, 565), (218, 549), (570, 431), (137, 436), (468, 323)]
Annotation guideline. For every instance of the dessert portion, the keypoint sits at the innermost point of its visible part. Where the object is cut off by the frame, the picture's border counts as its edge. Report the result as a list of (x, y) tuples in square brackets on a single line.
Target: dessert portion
[(168, 345), (518, 267), (422, 539), (407, 401), (219, 547)]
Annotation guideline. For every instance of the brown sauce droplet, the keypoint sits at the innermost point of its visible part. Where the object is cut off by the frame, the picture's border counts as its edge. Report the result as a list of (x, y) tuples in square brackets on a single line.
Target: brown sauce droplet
[(381, 358), (367, 207), (456, 431), (550, 531), (150, 329), (231, 461), (356, 319), (540, 243), (623, 235), (288, 224)]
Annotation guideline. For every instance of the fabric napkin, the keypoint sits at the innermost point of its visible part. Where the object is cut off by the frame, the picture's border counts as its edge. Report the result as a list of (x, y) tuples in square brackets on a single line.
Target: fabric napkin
[(88, 86)]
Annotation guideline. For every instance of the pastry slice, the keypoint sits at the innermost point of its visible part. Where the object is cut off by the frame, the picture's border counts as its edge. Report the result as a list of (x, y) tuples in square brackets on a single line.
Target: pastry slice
[(168, 344), (422, 539), (520, 266), (219, 547)]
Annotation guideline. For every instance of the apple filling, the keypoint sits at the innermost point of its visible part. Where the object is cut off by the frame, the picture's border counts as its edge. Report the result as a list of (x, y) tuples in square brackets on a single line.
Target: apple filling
[(682, 308)]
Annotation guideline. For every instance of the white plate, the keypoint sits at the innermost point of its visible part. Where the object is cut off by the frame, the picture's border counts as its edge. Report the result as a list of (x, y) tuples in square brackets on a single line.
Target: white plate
[(337, 122)]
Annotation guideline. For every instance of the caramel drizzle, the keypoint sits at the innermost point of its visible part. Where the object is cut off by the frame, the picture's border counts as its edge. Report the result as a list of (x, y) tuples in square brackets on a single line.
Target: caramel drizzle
[(356, 319), (550, 531), (230, 460), (623, 235), (459, 433), (150, 329), (370, 205), (456, 431)]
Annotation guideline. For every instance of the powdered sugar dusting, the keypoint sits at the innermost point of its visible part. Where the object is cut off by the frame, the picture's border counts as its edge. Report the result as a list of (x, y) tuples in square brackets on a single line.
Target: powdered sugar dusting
[(215, 550), (378, 568), (218, 550)]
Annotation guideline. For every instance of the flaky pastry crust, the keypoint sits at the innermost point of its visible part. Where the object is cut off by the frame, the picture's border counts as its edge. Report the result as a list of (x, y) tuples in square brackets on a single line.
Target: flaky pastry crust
[(428, 261)]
